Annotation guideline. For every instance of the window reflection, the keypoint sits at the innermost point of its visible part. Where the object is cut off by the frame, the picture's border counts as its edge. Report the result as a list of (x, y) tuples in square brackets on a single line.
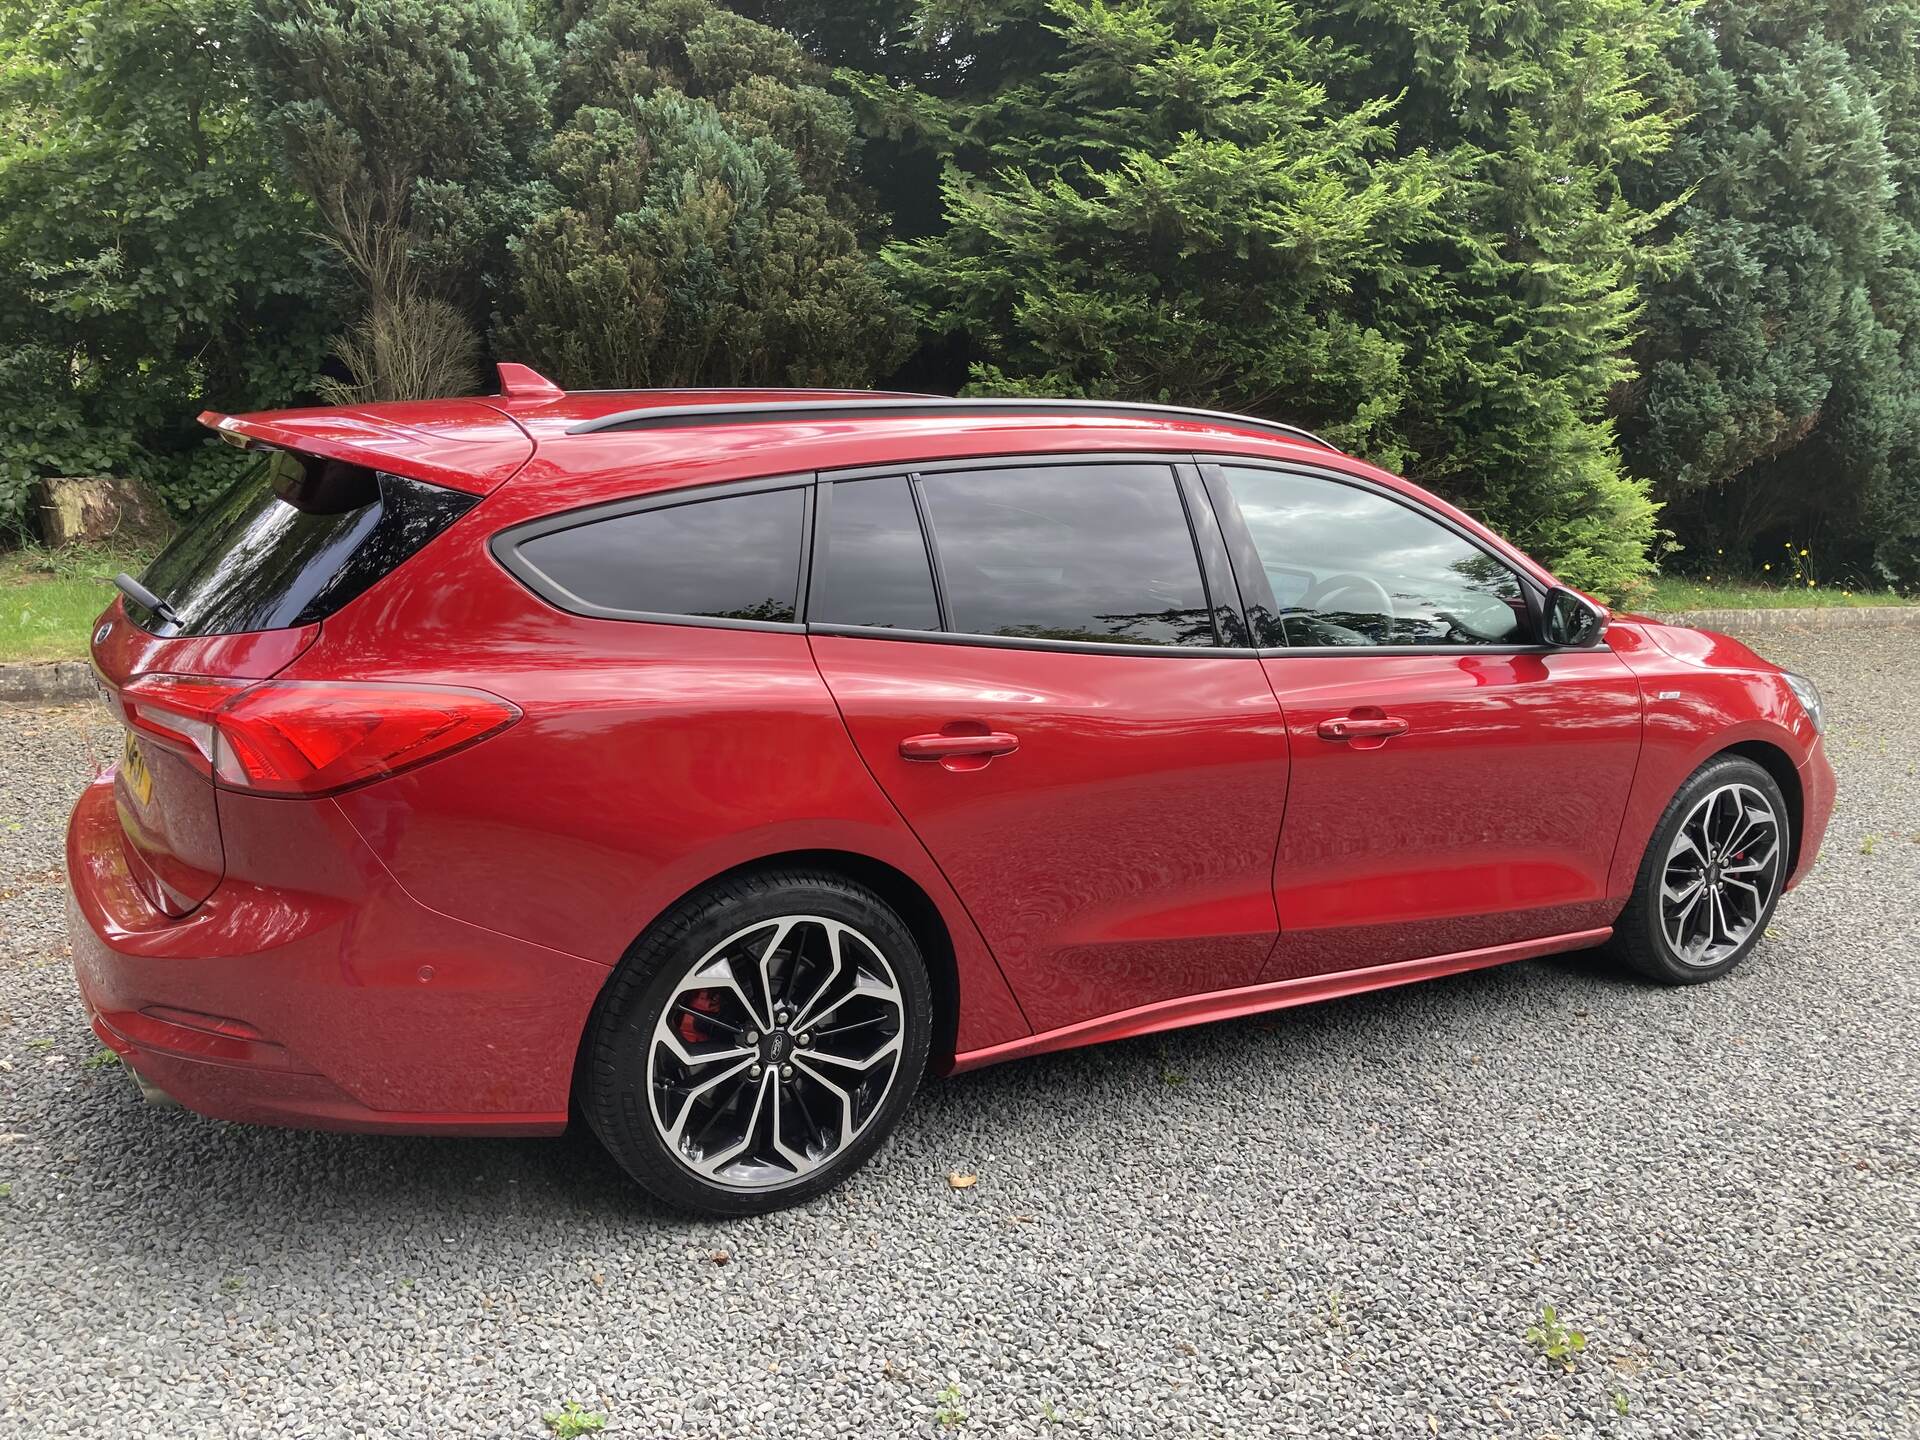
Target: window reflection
[(1351, 567), (733, 558), (1069, 552)]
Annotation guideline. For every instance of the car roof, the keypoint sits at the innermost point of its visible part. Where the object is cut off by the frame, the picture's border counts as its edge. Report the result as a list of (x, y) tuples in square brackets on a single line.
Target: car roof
[(567, 449), (476, 444)]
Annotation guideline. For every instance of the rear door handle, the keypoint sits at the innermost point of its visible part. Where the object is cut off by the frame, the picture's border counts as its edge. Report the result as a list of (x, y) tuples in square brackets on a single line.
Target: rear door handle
[(1363, 727), (955, 747)]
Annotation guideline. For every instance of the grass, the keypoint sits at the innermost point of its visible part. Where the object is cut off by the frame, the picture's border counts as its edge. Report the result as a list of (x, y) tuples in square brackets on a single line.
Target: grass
[(1674, 592), (48, 599)]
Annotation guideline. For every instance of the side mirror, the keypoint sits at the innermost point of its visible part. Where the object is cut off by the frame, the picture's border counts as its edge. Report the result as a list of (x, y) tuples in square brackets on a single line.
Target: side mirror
[(1571, 621)]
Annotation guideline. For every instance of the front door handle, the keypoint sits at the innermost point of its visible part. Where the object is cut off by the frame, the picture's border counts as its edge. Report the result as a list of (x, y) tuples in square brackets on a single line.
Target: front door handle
[(1363, 727), (959, 747)]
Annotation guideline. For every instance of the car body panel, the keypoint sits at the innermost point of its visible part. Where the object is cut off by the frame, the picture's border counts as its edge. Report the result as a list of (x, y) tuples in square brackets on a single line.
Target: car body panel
[(1126, 847), (1707, 693), (1271, 995), (169, 822), (367, 1010), (648, 759), (1491, 820)]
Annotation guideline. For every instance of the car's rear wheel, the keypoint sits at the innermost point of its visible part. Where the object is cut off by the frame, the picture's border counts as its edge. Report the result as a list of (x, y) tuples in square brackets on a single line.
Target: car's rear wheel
[(759, 1042), (1711, 876)]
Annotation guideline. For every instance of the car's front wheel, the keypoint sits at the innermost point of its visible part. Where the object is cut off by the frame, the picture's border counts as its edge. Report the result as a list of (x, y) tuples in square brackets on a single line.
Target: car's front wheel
[(1711, 876), (759, 1042)]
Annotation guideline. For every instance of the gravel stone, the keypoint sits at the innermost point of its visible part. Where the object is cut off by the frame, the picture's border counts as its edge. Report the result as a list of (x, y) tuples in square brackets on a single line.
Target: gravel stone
[(1341, 1222)]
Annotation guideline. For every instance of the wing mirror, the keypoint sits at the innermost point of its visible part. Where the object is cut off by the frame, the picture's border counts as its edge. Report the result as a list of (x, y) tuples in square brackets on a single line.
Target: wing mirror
[(1572, 621)]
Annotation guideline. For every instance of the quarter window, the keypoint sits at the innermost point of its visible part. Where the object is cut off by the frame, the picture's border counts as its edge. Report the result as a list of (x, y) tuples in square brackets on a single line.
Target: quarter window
[(1068, 552), (874, 568), (732, 558), (1347, 566)]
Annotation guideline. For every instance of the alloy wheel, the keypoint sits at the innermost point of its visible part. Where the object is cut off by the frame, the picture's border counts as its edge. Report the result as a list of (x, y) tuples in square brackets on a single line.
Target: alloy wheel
[(775, 1051), (1721, 873)]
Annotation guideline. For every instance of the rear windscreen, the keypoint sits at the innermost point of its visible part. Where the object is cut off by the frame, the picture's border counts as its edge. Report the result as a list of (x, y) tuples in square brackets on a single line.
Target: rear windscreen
[(297, 537)]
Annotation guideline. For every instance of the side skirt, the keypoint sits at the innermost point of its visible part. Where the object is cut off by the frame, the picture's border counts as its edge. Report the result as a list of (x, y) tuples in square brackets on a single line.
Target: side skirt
[(1187, 1010)]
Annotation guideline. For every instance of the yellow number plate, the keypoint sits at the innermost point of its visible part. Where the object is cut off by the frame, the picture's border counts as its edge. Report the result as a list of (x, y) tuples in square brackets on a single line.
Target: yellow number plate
[(133, 765)]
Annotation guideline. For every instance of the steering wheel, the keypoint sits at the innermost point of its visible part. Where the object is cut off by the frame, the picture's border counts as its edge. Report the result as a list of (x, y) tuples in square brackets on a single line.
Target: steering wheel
[(1353, 582)]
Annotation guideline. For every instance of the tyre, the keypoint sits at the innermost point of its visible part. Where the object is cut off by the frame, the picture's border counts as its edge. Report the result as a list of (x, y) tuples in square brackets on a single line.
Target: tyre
[(1710, 878), (759, 1042)]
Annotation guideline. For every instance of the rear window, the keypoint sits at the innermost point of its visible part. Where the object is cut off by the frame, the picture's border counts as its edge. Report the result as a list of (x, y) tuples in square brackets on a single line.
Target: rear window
[(297, 537), (732, 558)]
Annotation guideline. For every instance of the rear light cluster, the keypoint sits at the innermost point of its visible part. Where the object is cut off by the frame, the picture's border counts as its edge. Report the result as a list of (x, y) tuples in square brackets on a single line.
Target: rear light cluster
[(307, 737)]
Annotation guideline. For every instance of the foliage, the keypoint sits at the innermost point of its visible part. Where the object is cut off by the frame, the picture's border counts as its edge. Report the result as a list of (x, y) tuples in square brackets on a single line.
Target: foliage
[(1781, 362), (757, 77), (1465, 241), (949, 1407), (1397, 226), (693, 232), (152, 263), (1517, 310), (571, 1421), (411, 123), (415, 345), (1555, 1340)]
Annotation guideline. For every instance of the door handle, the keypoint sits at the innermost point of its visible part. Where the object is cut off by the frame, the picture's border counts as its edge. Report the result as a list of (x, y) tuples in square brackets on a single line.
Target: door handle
[(958, 747), (1362, 727)]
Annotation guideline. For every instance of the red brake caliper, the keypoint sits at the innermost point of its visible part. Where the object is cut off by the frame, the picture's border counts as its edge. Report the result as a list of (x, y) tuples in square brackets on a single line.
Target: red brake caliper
[(690, 1028)]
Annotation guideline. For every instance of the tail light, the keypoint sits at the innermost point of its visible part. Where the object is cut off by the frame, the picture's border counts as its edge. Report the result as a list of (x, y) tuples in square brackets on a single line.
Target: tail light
[(308, 737)]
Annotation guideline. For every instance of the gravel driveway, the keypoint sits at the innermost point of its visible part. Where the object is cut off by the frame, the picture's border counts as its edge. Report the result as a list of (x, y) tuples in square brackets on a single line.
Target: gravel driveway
[(1336, 1221)]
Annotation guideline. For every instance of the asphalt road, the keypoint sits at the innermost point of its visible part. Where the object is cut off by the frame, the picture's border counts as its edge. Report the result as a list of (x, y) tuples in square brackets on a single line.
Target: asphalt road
[(1336, 1221)]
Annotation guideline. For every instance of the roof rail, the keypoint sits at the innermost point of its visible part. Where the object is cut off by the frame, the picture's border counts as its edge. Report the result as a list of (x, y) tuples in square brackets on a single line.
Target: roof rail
[(673, 416)]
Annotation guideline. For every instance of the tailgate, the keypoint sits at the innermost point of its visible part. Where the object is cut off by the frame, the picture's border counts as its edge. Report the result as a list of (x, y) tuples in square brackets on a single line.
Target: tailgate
[(169, 818)]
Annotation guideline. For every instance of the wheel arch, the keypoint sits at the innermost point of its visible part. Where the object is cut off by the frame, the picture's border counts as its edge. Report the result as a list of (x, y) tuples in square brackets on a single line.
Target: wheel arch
[(908, 900), (1779, 765)]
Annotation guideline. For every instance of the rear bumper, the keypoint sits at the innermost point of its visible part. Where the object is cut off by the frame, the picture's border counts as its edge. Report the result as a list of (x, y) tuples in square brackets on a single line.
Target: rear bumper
[(1817, 787), (347, 1006)]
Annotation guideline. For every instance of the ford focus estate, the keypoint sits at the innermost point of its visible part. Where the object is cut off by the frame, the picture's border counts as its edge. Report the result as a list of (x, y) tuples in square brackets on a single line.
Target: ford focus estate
[(709, 766)]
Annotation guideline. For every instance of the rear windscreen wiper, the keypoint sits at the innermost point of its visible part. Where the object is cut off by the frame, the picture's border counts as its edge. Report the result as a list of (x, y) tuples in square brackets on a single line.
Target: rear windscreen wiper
[(134, 590)]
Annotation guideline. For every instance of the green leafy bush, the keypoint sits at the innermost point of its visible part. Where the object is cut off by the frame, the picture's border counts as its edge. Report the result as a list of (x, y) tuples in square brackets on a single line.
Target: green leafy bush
[(1399, 228), (153, 263), (1780, 393), (696, 228)]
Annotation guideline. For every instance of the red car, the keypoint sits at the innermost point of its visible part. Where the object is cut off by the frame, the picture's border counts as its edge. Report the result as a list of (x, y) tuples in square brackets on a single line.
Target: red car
[(711, 764)]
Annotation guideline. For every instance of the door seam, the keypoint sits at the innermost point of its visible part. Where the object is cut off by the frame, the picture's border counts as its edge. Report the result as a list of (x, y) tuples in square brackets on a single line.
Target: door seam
[(918, 839)]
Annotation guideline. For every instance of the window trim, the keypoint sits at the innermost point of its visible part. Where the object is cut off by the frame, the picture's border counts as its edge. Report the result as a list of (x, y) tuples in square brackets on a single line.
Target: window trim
[(1245, 556), (505, 548)]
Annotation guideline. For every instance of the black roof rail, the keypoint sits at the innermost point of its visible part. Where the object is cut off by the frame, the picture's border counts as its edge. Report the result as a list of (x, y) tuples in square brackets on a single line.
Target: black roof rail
[(673, 416)]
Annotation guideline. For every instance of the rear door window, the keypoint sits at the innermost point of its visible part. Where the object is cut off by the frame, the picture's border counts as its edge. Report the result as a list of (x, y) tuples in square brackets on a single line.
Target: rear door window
[(293, 540), (1092, 553), (872, 567), (733, 557)]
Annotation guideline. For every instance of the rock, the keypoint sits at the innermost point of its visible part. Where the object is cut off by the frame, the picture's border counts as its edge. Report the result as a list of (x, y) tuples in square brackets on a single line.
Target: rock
[(81, 508)]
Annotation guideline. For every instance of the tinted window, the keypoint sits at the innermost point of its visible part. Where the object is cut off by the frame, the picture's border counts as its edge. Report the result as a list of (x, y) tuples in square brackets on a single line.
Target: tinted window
[(1069, 552), (1351, 567), (873, 570), (733, 558), (295, 538)]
